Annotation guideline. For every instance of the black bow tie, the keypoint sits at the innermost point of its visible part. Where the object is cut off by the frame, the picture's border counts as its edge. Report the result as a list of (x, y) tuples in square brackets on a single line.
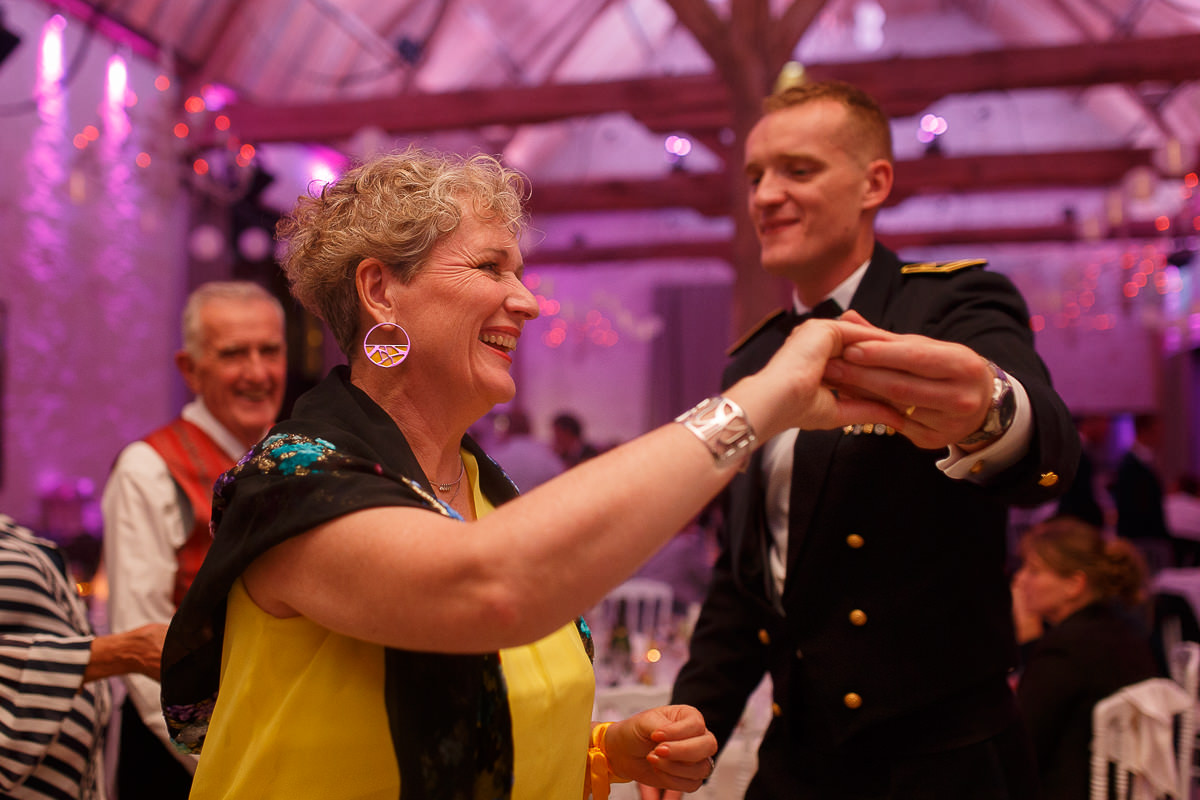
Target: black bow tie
[(826, 309)]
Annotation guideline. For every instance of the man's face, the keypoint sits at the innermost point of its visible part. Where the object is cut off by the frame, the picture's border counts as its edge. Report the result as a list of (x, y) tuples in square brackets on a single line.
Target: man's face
[(813, 191), (241, 367)]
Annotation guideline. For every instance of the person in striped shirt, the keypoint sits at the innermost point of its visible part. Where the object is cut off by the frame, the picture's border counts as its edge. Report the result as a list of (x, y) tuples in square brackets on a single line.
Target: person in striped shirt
[(54, 701)]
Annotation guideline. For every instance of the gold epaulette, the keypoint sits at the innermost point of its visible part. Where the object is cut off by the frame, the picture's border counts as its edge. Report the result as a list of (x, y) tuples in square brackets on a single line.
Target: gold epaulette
[(942, 266), (754, 331)]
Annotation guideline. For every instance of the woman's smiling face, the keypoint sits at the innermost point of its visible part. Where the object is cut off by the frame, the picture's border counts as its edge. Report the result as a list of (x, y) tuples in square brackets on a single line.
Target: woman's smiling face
[(466, 307)]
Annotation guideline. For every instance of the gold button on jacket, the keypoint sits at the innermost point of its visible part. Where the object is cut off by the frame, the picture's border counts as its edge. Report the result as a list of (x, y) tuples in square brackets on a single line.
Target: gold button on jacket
[(858, 617), (852, 700)]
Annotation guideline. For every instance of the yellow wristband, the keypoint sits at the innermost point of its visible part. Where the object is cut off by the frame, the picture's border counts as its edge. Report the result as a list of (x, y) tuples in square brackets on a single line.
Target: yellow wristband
[(600, 774)]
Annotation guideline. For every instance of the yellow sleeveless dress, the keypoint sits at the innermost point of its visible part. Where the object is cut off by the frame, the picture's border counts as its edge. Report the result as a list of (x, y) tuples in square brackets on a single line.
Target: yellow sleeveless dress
[(301, 714)]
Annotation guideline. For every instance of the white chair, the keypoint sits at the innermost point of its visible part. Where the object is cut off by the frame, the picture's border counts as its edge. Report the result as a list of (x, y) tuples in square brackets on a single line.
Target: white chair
[(1183, 661), (1134, 732), (647, 605)]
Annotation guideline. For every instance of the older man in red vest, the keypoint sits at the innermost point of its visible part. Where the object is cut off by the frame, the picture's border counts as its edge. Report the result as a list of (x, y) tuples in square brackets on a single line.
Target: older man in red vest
[(158, 498)]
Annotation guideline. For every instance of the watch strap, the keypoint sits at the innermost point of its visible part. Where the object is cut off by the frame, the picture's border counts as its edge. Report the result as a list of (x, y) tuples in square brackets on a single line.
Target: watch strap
[(1000, 412)]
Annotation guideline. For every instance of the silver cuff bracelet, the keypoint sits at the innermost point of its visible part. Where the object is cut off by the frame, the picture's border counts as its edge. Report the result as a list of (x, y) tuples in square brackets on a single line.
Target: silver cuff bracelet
[(723, 427)]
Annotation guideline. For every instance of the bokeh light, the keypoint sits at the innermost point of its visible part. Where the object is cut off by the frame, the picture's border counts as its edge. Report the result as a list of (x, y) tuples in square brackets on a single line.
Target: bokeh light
[(677, 146)]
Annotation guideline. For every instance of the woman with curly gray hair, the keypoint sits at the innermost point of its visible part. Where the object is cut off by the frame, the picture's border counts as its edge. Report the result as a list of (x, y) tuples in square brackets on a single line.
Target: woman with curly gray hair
[(381, 613)]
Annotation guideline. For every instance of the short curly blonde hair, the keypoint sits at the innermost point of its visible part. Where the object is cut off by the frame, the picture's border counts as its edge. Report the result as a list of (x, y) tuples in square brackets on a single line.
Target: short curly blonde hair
[(396, 208)]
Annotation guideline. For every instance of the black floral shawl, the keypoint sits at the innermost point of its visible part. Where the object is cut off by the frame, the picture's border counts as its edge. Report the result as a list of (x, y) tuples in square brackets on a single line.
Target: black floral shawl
[(340, 453)]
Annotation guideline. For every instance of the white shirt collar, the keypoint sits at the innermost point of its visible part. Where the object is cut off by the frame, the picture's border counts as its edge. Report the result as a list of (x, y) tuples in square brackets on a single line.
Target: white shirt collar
[(843, 293), (198, 414)]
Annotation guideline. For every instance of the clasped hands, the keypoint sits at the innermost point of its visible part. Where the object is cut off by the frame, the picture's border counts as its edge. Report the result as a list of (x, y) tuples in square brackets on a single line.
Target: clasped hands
[(933, 392)]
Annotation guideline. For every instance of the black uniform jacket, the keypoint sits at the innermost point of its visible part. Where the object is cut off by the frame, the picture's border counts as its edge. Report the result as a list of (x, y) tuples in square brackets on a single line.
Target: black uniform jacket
[(894, 630)]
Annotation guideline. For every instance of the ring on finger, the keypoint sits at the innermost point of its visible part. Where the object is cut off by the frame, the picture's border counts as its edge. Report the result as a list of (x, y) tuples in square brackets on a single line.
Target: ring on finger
[(712, 767)]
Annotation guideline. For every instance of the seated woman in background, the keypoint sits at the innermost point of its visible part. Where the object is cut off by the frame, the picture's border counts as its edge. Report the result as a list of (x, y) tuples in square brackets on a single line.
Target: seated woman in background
[(382, 616), (1078, 603)]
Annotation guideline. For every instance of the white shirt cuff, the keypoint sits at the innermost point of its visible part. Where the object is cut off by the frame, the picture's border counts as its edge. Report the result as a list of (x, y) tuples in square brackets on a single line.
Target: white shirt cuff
[(981, 465)]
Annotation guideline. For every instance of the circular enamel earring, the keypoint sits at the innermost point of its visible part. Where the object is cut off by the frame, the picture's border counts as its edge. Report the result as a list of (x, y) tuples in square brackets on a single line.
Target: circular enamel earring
[(385, 354)]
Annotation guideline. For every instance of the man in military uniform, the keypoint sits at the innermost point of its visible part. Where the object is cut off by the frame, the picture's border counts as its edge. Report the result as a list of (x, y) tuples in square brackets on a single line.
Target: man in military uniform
[(864, 569)]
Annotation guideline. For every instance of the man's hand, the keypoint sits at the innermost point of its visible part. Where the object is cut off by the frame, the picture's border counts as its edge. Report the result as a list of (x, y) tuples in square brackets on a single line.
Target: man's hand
[(797, 376), (944, 389), (138, 650), (668, 747)]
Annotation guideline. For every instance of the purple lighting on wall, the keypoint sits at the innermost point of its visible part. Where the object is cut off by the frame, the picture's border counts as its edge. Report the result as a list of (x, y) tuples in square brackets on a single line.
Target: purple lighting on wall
[(217, 96), (116, 121), (50, 65), (1172, 340), (118, 83)]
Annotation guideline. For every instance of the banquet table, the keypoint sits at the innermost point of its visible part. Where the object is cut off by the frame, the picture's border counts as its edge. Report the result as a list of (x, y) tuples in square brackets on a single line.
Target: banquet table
[(738, 760), (641, 674)]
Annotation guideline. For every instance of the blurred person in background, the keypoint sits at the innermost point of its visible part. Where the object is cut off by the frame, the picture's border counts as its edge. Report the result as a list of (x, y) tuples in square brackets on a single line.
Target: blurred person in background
[(569, 443), (1079, 601), (158, 499), (526, 459), (53, 671), (686, 561), (1137, 491), (1182, 510), (1082, 498)]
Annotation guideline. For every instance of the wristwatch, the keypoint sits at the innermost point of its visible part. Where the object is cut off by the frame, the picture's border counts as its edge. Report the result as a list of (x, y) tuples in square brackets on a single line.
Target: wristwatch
[(1001, 412)]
